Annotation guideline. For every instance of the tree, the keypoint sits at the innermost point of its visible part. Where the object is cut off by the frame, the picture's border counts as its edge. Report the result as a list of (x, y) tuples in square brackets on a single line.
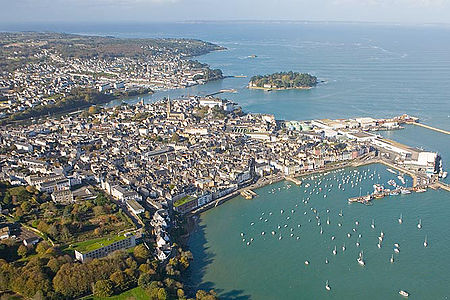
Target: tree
[(141, 252), (42, 247), (103, 288), (22, 251), (162, 294)]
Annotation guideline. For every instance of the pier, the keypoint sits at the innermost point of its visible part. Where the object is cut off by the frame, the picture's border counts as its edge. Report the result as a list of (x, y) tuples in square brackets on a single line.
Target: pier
[(248, 194), (221, 92), (441, 185), (432, 128), (294, 180)]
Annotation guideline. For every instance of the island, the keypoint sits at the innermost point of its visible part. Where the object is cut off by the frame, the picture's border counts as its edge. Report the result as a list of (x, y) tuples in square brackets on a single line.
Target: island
[(283, 81)]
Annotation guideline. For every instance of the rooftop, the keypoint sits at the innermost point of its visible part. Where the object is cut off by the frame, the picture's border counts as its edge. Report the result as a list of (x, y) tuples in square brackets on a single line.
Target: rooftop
[(91, 245)]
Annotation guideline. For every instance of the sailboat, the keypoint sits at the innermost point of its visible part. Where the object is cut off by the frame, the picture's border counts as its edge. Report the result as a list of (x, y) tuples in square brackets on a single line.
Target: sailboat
[(400, 220), (425, 243), (420, 224), (327, 286), (361, 259)]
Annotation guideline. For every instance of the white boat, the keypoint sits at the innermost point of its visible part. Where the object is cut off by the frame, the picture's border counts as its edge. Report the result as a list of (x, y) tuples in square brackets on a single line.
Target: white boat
[(392, 259), (349, 235), (404, 293), (328, 221), (379, 245), (333, 237), (327, 286), (306, 262), (420, 224), (326, 260), (273, 232), (396, 250), (405, 191), (242, 234), (400, 220), (343, 247), (397, 245), (373, 224), (334, 250), (321, 230), (357, 243), (340, 213), (391, 171), (361, 259), (425, 243), (382, 234)]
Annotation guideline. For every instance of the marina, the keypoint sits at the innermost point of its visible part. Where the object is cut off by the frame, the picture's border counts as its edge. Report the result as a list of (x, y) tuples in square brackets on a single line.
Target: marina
[(329, 235)]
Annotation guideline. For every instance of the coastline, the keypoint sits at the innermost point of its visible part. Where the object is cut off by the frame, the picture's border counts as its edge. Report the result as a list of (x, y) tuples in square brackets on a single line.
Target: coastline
[(279, 89)]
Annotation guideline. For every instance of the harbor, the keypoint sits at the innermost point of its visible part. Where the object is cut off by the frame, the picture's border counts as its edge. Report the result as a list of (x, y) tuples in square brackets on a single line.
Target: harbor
[(325, 235)]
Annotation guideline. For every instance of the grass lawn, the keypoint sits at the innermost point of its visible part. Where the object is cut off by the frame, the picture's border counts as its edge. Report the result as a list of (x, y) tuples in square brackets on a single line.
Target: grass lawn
[(134, 294), (93, 244)]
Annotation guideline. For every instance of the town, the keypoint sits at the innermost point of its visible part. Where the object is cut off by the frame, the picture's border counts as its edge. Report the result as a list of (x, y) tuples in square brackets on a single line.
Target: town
[(56, 64)]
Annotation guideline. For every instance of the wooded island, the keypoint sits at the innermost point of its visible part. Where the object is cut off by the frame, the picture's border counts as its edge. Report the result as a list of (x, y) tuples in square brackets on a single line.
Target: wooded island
[(283, 80)]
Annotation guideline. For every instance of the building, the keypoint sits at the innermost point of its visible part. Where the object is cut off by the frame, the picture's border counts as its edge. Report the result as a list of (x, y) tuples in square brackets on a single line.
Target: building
[(102, 247), (62, 196), (135, 207)]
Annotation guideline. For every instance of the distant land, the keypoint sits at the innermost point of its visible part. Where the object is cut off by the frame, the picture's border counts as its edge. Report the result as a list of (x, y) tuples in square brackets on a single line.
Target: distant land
[(283, 81)]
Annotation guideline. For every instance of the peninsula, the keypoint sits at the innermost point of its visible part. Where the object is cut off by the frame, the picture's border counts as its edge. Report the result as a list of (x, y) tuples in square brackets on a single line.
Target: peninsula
[(283, 81)]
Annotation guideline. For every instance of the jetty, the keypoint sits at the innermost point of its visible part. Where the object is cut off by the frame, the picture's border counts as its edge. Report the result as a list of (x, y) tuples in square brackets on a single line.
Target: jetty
[(221, 92), (431, 128), (441, 185), (293, 179), (248, 194)]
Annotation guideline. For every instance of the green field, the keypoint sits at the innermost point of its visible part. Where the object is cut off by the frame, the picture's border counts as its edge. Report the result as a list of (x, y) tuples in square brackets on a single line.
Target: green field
[(134, 294)]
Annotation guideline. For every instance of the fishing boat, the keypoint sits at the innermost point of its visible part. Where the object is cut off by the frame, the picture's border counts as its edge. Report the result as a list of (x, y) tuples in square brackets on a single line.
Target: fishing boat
[(420, 224), (403, 293), (327, 286)]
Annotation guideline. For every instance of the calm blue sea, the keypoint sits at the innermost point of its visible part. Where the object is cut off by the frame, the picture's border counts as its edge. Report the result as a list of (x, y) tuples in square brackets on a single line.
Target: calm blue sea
[(369, 70)]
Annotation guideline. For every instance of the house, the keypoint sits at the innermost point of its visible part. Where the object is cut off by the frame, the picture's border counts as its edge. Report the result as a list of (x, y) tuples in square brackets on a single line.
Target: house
[(102, 247), (134, 206), (31, 241), (4, 233)]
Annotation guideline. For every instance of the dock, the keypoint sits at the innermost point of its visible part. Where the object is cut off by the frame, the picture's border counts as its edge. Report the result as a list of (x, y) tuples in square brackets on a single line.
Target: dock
[(248, 194), (441, 185), (294, 180), (431, 128), (221, 92), (406, 190)]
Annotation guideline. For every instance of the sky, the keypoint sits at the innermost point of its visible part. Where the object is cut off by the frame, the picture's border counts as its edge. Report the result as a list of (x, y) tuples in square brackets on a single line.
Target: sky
[(116, 11)]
